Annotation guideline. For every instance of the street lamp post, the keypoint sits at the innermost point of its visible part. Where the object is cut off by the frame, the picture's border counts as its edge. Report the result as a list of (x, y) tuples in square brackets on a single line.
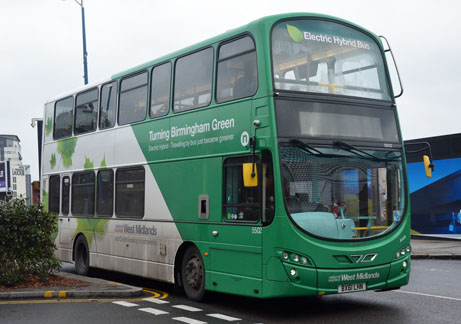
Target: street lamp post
[(85, 54)]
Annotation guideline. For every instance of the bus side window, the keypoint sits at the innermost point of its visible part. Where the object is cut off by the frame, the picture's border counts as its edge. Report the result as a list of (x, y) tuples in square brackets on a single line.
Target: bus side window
[(83, 193), (237, 75), (108, 105), (193, 80), (133, 99), (54, 193), (160, 90), (105, 193), (241, 204), (63, 116), (86, 112), (129, 192)]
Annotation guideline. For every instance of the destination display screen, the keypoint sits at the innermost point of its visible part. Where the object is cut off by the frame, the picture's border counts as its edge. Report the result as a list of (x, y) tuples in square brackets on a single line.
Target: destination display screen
[(300, 119)]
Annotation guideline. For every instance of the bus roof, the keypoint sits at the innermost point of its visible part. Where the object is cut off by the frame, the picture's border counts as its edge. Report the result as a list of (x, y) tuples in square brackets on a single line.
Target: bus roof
[(264, 22), (254, 26)]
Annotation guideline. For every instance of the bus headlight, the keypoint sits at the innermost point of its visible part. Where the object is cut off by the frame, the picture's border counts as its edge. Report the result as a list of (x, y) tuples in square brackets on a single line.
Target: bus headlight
[(294, 258)]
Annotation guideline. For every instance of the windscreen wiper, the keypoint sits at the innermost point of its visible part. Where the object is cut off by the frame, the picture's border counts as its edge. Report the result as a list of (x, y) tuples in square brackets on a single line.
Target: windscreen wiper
[(350, 148), (310, 149)]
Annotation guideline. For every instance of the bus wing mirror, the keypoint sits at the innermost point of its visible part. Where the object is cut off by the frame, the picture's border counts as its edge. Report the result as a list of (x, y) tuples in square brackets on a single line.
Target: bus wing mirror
[(428, 166), (250, 175)]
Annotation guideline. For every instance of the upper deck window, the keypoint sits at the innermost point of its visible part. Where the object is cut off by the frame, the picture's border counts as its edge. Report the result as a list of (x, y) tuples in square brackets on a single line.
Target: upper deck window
[(160, 90), (192, 80), (63, 118), (237, 70), (108, 105), (133, 99), (326, 57), (86, 112)]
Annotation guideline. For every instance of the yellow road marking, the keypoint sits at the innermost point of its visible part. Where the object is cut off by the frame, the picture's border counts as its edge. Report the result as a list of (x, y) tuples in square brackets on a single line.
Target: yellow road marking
[(156, 293)]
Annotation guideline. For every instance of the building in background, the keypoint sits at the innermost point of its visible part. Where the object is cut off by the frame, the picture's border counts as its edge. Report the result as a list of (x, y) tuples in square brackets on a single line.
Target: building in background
[(436, 201), (17, 179)]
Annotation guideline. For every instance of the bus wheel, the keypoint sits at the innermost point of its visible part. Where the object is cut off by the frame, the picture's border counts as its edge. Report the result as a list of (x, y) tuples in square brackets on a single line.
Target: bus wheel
[(82, 257), (193, 274)]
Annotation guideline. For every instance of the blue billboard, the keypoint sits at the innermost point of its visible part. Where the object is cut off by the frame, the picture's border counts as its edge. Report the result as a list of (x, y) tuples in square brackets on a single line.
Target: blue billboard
[(436, 201)]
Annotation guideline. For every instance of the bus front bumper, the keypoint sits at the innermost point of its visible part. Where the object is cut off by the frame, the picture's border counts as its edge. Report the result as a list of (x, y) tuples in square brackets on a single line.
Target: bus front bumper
[(317, 281)]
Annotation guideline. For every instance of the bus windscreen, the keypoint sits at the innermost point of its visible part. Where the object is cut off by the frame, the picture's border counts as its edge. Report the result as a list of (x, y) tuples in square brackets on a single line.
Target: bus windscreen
[(311, 55)]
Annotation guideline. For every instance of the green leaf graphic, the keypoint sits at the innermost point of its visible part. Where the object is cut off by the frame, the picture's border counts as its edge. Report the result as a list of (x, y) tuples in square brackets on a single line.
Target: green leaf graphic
[(103, 163), (53, 161), (67, 149), (48, 126), (295, 33), (88, 164)]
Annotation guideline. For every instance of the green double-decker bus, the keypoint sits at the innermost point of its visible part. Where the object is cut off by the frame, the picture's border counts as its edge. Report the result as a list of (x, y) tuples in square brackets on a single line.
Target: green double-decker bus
[(265, 162)]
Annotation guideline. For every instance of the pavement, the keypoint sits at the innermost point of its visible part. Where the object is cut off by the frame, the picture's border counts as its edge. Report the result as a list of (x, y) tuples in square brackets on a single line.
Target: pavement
[(423, 247), (94, 288), (436, 246)]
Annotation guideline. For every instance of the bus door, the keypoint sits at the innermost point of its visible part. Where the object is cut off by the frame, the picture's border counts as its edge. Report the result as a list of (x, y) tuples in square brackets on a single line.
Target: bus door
[(65, 231), (235, 261)]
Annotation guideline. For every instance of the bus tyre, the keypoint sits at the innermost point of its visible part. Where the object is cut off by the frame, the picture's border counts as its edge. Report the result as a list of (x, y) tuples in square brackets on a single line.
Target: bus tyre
[(193, 274), (82, 256)]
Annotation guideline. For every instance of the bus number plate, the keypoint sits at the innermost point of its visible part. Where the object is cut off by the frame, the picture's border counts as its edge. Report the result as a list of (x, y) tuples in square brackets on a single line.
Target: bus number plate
[(352, 287)]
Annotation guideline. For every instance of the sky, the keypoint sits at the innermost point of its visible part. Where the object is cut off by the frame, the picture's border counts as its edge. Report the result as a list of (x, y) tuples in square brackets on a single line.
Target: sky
[(41, 49)]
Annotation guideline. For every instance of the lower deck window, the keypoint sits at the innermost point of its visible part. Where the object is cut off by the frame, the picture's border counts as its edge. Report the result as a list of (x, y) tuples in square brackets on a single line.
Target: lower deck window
[(129, 192), (53, 201), (83, 194), (105, 195)]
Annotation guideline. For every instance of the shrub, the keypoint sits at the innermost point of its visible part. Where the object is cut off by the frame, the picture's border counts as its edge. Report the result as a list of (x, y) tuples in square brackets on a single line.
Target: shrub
[(26, 244)]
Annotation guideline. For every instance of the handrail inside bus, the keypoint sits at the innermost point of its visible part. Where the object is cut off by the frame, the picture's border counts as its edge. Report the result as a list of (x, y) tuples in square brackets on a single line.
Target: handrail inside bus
[(364, 228)]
